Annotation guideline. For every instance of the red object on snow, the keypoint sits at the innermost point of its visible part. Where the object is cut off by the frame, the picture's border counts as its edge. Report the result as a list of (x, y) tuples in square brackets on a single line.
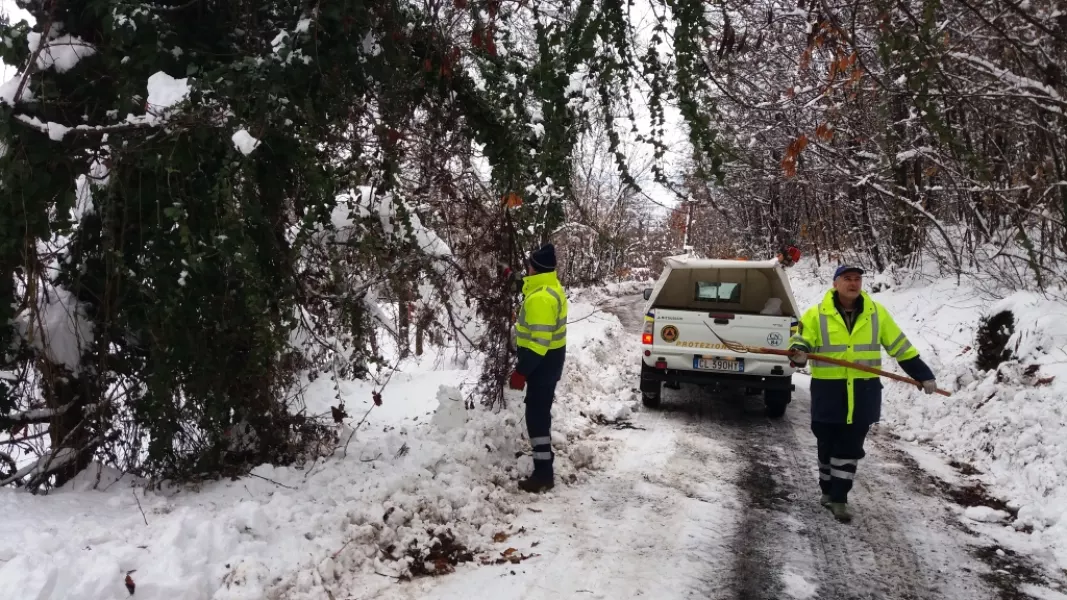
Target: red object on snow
[(517, 381)]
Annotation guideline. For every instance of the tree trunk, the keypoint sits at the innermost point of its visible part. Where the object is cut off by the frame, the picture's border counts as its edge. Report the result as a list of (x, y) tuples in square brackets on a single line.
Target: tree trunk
[(71, 429), (404, 320)]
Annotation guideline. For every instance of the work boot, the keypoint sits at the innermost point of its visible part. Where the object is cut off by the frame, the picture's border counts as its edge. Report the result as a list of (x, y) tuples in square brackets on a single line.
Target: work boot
[(825, 500), (841, 511), (536, 485)]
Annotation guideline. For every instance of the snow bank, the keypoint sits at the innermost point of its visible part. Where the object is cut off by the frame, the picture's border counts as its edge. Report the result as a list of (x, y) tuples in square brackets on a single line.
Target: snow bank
[(420, 465), (1010, 424)]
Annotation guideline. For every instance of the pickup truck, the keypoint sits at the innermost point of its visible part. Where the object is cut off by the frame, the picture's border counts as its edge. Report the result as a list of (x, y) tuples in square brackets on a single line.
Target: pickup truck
[(697, 304)]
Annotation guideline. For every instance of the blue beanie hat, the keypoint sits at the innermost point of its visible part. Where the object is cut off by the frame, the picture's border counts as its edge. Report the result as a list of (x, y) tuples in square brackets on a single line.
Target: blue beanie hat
[(543, 259)]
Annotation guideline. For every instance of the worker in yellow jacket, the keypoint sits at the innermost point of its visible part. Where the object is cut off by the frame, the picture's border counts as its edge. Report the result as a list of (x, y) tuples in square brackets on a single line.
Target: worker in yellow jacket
[(849, 325), (541, 337)]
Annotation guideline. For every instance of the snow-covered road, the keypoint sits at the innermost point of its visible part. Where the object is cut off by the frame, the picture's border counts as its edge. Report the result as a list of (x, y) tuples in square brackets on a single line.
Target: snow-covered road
[(710, 499)]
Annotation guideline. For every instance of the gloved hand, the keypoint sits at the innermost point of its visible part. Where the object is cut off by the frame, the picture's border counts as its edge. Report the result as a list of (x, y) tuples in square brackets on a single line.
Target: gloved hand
[(518, 381), (799, 358), (929, 386)]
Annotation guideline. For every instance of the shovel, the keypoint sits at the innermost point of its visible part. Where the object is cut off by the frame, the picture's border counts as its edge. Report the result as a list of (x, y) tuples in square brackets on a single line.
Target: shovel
[(743, 349)]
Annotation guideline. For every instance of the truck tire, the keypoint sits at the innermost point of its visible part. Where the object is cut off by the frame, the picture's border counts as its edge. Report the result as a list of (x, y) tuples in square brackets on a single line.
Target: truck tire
[(776, 401), (651, 389)]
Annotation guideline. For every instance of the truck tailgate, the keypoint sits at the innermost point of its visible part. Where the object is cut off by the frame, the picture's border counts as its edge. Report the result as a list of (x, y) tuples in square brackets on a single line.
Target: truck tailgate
[(686, 340)]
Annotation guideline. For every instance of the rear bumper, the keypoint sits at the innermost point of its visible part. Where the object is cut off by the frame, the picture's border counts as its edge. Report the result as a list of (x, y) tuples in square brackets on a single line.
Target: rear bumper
[(652, 378)]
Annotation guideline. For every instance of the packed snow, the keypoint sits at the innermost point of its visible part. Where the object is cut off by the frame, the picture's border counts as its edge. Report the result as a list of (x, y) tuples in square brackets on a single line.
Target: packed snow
[(985, 514), (796, 586)]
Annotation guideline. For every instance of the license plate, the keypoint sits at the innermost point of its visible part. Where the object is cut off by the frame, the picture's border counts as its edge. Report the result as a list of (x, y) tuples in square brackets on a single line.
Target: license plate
[(719, 363)]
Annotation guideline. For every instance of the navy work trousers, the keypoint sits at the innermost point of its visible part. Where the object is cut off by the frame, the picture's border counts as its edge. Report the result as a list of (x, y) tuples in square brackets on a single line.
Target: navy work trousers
[(840, 448), (540, 393)]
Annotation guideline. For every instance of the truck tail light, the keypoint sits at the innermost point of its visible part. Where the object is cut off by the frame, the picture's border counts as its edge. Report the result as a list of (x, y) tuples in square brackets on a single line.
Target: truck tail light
[(661, 364), (646, 335)]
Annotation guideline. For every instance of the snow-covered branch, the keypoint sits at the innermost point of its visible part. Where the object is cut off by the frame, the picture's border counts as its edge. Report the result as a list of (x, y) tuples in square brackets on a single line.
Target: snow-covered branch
[(29, 417)]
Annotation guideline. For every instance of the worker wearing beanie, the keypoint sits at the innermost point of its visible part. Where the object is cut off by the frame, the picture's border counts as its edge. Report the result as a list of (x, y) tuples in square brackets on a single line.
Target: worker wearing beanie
[(849, 325), (542, 347)]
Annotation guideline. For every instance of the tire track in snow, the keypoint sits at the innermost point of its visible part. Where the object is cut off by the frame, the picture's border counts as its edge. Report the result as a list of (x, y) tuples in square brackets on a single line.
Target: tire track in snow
[(786, 545), (713, 500), (756, 550), (866, 559)]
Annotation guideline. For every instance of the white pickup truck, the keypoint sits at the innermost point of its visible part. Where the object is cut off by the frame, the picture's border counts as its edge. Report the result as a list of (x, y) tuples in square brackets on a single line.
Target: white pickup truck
[(696, 302)]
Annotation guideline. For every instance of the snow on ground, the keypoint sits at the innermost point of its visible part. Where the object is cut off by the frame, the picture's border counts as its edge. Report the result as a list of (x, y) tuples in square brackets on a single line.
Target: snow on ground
[(610, 292), (658, 523), (796, 586), (408, 475), (1009, 424)]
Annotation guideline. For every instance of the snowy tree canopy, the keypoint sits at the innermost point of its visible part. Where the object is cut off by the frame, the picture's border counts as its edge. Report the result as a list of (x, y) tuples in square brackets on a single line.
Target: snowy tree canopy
[(174, 165), (886, 128)]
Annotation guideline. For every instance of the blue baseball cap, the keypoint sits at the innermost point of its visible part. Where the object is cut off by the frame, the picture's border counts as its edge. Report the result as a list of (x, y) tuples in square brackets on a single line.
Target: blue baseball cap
[(848, 269)]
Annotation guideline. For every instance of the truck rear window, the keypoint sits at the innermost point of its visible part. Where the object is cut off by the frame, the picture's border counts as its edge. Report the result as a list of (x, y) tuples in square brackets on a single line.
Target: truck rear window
[(716, 291)]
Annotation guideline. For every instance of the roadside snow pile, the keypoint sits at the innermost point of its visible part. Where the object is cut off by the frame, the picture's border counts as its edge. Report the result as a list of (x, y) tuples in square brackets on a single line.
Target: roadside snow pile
[(985, 514), (1008, 422), (610, 292), (424, 485)]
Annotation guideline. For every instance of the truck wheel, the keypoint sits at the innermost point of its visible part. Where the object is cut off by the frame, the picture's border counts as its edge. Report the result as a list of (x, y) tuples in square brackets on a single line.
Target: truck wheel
[(776, 401), (650, 388)]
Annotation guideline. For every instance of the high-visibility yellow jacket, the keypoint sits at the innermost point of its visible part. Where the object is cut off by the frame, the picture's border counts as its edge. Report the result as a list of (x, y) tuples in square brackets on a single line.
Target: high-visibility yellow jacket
[(542, 322), (823, 330)]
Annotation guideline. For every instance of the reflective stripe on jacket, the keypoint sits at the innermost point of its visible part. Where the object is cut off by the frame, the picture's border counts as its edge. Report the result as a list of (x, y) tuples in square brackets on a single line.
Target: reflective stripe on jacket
[(542, 322), (822, 330)]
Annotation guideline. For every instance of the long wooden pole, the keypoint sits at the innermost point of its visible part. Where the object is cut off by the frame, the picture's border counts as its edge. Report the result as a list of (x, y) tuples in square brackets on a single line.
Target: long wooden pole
[(739, 347), (844, 363)]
